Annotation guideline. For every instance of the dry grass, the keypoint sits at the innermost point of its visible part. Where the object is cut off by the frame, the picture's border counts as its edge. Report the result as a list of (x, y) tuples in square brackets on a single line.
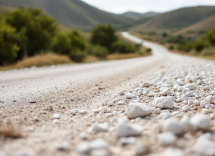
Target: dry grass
[(9, 130), (39, 60), (123, 56)]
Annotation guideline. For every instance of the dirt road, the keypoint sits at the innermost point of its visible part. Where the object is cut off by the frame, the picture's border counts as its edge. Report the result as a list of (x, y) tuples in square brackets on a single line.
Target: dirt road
[(30, 97)]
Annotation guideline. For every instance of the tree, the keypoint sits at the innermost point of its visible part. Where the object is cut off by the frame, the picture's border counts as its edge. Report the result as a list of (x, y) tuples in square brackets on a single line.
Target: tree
[(37, 29), (210, 37), (8, 46), (104, 35), (72, 44)]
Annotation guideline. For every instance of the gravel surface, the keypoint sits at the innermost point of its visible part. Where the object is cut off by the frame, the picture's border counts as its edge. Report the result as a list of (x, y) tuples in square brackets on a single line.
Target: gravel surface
[(162, 105)]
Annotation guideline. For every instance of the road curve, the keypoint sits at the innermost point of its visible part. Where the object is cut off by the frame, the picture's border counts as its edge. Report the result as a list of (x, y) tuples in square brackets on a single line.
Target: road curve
[(43, 83)]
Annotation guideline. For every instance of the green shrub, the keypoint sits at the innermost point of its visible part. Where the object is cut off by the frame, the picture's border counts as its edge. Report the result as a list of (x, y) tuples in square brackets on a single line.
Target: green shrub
[(98, 51), (104, 35), (8, 46), (123, 47), (148, 50), (198, 46), (78, 56), (210, 37), (208, 51), (37, 29), (186, 47), (171, 47)]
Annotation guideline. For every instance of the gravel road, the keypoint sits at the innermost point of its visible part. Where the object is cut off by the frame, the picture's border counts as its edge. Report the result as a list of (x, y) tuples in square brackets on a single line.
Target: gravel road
[(157, 105)]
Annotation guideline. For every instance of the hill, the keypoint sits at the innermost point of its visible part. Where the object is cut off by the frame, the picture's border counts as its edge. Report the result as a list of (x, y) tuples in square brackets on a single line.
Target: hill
[(177, 19), (199, 27), (5, 8), (71, 13), (137, 16)]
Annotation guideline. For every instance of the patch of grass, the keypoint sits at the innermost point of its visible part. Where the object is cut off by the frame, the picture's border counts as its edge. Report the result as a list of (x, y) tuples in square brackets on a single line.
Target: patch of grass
[(39, 60), (123, 56), (9, 130)]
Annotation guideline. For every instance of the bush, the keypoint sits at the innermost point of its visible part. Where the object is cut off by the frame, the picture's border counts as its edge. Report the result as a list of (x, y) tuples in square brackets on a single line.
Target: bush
[(208, 51), (123, 47), (35, 28), (104, 35), (210, 37), (198, 45), (98, 51), (185, 47), (148, 50), (171, 47), (8, 46), (78, 56)]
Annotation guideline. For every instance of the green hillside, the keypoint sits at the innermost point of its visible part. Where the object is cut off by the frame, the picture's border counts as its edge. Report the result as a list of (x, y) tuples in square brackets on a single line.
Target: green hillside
[(71, 13), (203, 25), (138, 16), (177, 19)]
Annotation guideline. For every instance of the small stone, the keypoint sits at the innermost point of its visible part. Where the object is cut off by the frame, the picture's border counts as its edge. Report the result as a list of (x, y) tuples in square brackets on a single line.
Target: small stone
[(110, 103), (122, 92), (211, 99), (130, 140), (167, 138), (138, 110), (62, 146), (36, 119), (56, 116), (126, 130), (84, 136), (100, 127), (99, 144), (130, 96), (33, 101), (82, 112), (200, 121), (205, 111), (83, 148), (121, 103), (157, 110), (185, 108), (74, 111), (106, 110), (166, 92), (164, 115), (191, 86), (173, 125), (163, 102), (203, 103), (99, 152), (173, 152), (196, 103)]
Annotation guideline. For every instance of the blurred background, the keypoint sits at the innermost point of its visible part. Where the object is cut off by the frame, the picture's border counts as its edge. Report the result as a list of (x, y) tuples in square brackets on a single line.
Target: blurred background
[(47, 32)]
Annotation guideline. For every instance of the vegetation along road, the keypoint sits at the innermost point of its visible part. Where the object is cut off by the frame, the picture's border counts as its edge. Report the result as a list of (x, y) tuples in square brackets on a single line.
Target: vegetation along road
[(98, 107)]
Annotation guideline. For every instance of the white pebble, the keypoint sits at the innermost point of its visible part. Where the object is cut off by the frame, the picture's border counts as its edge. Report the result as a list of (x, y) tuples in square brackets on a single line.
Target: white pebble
[(138, 110)]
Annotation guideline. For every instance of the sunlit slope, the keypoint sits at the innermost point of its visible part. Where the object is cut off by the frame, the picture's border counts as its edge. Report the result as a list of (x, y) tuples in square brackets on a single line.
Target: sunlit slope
[(176, 19), (72, 13)]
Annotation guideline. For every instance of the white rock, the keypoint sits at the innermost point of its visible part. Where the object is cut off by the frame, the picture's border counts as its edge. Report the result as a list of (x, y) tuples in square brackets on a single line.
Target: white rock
[(106, 110), (203, 103), (185, 108), (130, 95), (99, 144), (189, 94), (173, 125), (191, 86), (138, 110), (110, 103), (126, 130), (157, 110), (164, 116), (196, 103), (211, 99), (82, 112), (121, 103), (166, 92), (129, 140), (167, 138), (173, 152), (36, 118), (187, 125), (100, 127), (56, 116), (100, 152), (163, 102), (74, 111), (83, 148), (184, 97), (84, 136), (201, 121), (190, 102), (32, 101), (122, 92), (62, 146), (204, 146)]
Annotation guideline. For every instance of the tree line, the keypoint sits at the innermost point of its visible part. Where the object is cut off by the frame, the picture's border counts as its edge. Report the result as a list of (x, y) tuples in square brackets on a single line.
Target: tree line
[(26, 32)]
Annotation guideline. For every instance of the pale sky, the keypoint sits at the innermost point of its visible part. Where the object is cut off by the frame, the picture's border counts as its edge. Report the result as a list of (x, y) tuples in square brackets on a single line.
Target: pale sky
[(120, 6)]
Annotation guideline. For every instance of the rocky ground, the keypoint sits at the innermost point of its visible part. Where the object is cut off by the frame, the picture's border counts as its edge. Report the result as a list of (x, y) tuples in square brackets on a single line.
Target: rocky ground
[(167, 111)]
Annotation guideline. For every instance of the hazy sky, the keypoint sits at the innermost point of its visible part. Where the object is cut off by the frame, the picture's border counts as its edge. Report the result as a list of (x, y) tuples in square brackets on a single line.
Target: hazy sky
[(119, 6)]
